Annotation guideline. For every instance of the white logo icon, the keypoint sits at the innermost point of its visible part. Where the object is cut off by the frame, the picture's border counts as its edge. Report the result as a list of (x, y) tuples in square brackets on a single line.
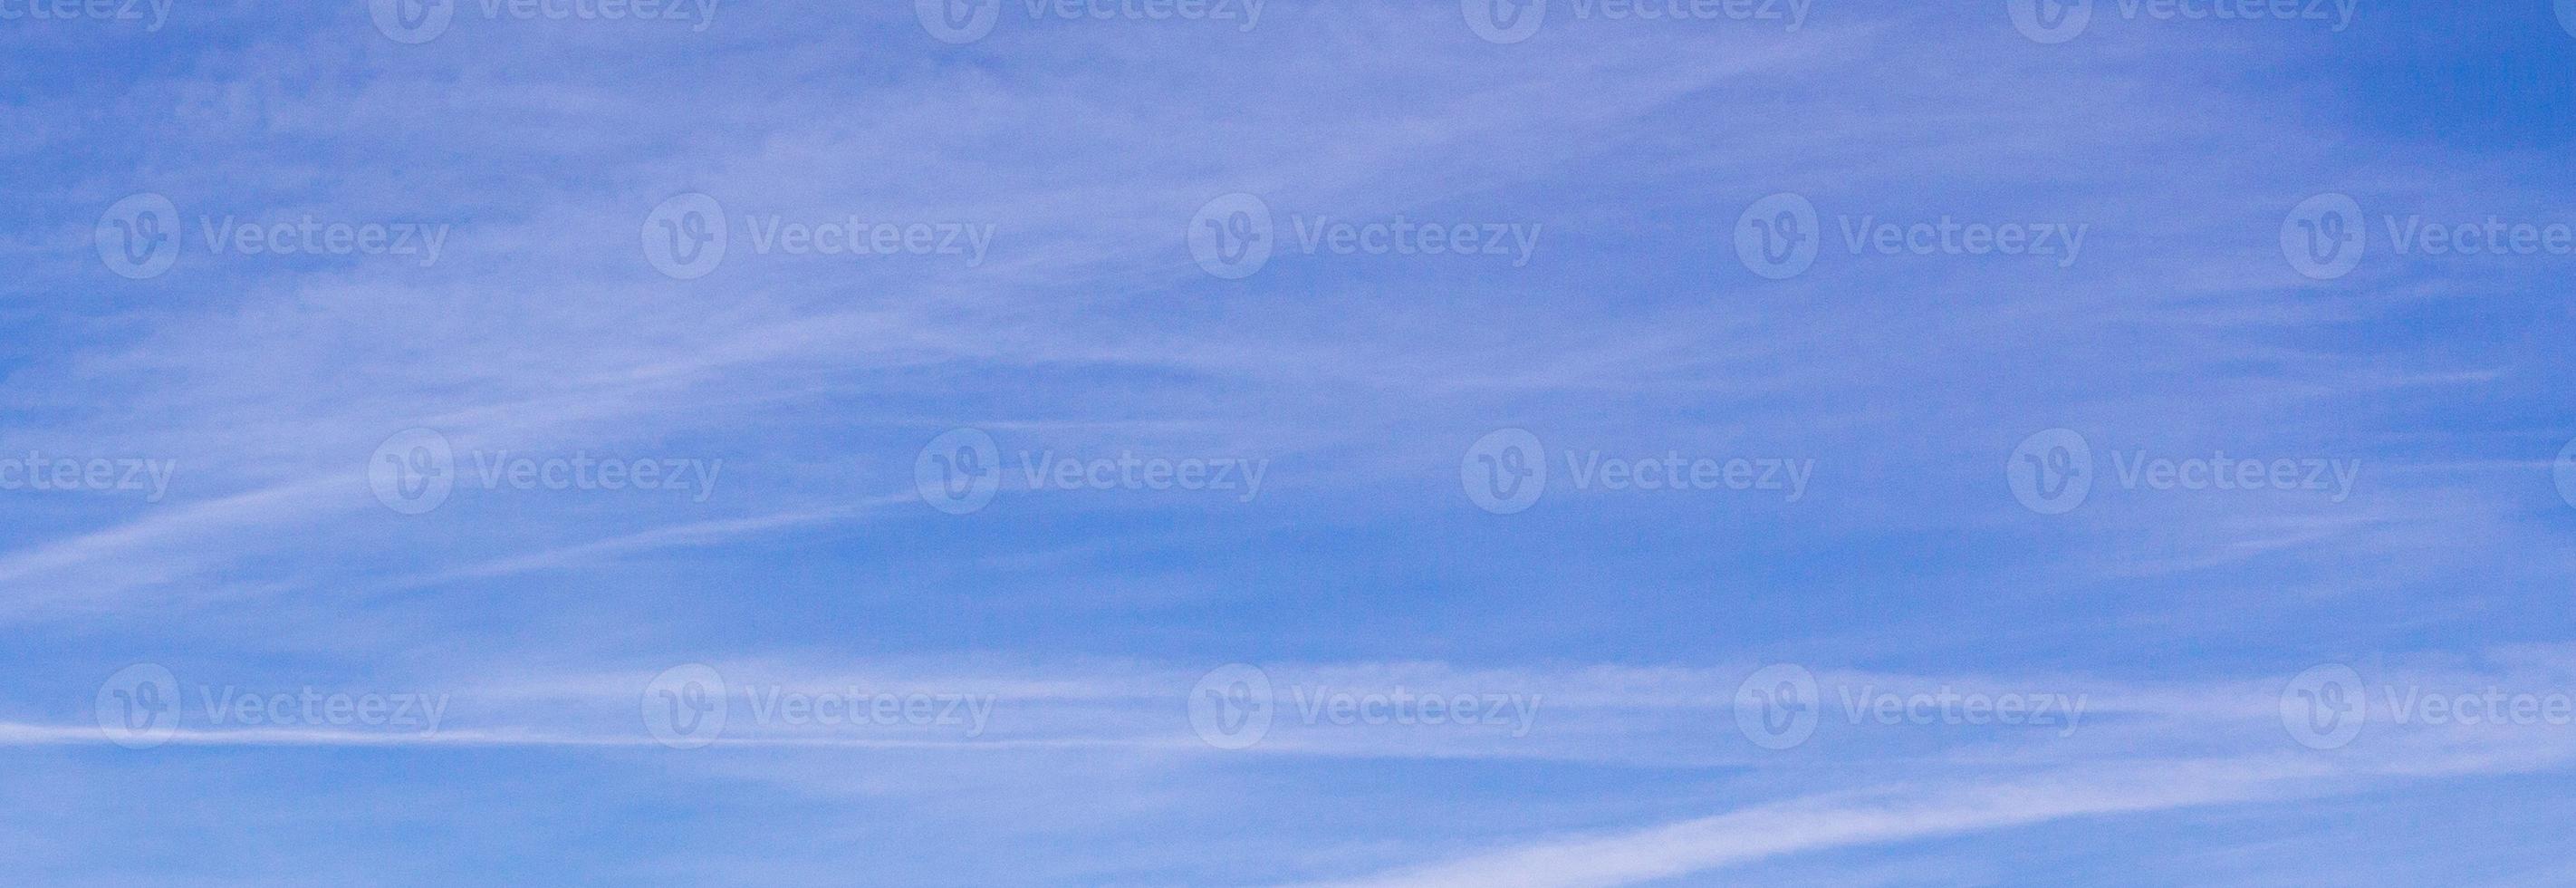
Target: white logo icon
[(2051, 472), (1504, 21), (138, 237), (684, 707), (412, 21), (1231, 237), (2323, 237), (958, 471), (138, 707), (1230, 707), (413, 471), (2565, 470), (1778, 707), (958, 21), (1505, 471), (2050, 21), (2324, 707), (684, 237), (1777, 236)]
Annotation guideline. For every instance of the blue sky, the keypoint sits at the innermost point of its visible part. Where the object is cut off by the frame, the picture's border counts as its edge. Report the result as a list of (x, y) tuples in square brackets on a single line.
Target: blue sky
[(1347, 444)]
